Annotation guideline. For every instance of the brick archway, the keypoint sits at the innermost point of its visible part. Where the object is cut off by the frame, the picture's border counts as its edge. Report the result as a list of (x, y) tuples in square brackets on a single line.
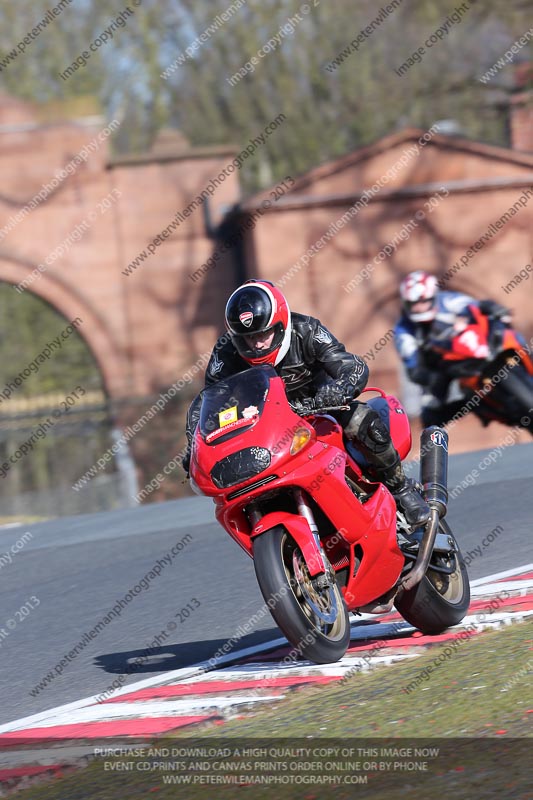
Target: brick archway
[(93, 329)]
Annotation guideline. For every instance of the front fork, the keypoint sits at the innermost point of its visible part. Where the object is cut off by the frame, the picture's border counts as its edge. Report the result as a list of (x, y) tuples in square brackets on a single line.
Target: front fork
[(299, 526), (327, 578)]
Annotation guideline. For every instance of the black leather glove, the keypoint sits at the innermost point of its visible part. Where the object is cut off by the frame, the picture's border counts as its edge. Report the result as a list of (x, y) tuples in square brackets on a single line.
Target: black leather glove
[(333, 393), (495, 310)]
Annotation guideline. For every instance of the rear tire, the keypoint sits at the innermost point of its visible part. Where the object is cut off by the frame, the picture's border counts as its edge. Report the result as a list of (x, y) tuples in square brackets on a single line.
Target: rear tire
[(438, 601), (516, 394), (314, 621)]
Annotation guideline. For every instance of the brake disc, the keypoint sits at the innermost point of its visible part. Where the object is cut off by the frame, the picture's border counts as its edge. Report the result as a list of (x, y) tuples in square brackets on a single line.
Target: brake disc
[(312, 598)]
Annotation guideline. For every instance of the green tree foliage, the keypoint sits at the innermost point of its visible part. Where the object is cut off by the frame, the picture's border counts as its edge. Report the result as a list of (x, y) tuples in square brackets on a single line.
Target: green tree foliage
[(328, 112), (27, 325)]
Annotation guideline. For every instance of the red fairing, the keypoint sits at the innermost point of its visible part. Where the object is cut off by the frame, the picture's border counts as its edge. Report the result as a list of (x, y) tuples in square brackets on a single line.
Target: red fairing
[(472, 341), (299, 529), (357, 530)]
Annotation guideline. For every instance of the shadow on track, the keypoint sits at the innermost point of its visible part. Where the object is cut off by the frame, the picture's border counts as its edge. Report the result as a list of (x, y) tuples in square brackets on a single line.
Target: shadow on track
[(170, 656)]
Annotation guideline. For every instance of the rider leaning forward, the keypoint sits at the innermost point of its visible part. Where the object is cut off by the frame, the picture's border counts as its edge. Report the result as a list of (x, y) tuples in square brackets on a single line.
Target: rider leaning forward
[(315, 367), (427, 315)]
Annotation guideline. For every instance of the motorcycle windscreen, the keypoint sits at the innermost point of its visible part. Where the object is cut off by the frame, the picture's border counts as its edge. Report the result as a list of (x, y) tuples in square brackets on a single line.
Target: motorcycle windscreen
[(234, 404)]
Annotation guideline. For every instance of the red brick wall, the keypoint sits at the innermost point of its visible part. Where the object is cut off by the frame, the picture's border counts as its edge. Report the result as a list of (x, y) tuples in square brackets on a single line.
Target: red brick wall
[(362, 316), (522, 122)]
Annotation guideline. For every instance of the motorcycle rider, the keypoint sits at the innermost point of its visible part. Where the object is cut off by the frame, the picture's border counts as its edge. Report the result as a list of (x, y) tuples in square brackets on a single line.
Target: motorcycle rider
[(428, 314), (315, 367)]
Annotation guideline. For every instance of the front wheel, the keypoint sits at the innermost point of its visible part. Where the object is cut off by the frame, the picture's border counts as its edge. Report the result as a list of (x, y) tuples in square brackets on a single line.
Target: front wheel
[(314, 620), (442, 597)]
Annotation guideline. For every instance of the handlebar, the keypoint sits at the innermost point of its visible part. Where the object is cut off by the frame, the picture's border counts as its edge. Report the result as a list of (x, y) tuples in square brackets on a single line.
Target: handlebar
[(308, 410)]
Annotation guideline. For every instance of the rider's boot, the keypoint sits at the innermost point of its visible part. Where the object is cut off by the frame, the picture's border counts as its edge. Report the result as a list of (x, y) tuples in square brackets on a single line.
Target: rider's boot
[(408, 498), (371, 435)]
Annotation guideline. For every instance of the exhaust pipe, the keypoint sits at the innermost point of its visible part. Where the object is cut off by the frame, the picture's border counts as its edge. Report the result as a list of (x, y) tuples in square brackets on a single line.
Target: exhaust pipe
[(434, 480), (434, 468)]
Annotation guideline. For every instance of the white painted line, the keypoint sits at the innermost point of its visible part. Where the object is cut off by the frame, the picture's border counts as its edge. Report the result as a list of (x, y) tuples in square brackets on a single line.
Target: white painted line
[(36, 720), (506, 574), (505, 619), (496, 588), (151, 708), (261, 671)]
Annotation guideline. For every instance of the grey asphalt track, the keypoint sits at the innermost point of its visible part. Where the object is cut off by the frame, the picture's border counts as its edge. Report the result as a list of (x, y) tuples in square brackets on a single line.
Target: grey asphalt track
[(78, 568)]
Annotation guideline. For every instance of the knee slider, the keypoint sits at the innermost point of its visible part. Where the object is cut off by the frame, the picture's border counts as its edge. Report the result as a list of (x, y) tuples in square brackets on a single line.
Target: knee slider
[(377, 430), (373, 432)]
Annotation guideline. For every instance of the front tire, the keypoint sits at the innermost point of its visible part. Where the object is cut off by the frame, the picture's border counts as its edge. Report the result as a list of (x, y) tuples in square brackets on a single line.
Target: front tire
[(439, 601), (315, 621)]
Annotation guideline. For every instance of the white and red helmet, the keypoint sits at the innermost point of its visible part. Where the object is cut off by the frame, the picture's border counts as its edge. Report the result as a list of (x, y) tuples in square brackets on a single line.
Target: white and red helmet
[(420, 288), (259, 307)]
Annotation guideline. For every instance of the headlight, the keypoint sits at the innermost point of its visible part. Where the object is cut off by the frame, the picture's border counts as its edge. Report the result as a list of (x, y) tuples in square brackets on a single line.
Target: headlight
[(240, 466)]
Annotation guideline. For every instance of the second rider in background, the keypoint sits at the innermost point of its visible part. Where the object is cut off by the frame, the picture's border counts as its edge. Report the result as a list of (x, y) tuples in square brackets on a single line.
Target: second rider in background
[(428, 313)]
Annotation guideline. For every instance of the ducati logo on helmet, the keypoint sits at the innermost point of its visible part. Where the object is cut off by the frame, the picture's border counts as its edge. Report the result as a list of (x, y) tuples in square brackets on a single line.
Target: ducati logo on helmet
[(246, 318), (258, 307)]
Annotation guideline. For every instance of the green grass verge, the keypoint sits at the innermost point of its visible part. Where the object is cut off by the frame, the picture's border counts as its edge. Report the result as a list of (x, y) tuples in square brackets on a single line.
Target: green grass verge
[(481, 690)]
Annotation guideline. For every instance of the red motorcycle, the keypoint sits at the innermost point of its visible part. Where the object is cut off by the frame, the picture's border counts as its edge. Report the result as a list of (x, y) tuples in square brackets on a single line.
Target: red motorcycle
[(492, 366), (326, 538)]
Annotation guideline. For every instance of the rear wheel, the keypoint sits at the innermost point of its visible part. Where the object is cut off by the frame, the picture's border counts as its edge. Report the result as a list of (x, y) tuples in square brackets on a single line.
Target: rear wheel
[(516, 394), (440, 600), (314, 620)]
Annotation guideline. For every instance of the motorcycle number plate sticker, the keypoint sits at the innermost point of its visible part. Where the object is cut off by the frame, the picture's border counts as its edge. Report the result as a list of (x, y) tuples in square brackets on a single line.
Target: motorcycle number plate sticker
[(228, 416)]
